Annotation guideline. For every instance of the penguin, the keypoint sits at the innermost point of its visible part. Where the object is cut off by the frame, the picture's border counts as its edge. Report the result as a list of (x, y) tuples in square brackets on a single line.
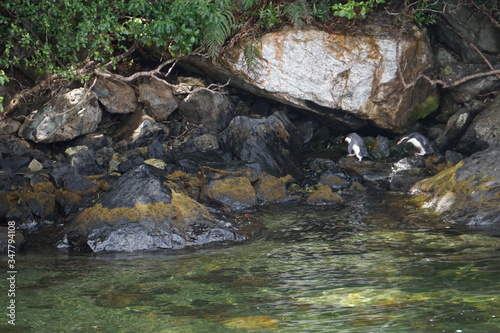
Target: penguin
[(418, 141), (356, 146)]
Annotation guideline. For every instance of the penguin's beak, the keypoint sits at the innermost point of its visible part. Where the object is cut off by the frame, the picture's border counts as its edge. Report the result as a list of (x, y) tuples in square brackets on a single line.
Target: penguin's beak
[(401, 141)]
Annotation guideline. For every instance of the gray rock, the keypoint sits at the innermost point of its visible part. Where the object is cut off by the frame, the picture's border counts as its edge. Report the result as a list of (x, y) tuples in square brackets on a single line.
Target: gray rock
[(68, 116), (211, 109), (484, 130), (116, 96), (273, 142), (141, 212), (158, 99), (468, 192)]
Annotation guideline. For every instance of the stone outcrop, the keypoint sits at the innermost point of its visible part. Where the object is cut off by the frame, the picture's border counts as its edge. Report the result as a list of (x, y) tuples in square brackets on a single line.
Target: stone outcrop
[(140, 212), (273, 142), (68, 116), (347, 79), (116, 96), (467, 193), (158, 99), (484, 130), (211, 109)]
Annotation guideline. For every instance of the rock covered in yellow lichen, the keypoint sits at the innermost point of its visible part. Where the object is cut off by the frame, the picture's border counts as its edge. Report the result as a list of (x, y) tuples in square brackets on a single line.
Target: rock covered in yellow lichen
[(467, 193), (141, 212)]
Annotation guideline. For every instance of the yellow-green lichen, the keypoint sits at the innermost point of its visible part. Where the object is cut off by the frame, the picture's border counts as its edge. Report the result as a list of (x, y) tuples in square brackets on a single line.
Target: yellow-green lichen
[(181, 211)]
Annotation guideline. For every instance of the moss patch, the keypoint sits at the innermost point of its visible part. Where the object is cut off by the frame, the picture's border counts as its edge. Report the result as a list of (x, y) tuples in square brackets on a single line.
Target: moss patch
[(423, 109)]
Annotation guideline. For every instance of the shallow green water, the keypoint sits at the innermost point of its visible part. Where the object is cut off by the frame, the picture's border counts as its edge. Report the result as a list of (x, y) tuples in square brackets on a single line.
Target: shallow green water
[(378, 265)]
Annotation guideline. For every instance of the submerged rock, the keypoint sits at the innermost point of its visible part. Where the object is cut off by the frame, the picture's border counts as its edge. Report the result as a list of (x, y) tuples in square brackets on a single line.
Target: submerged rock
[(141, 212), (467, 193)]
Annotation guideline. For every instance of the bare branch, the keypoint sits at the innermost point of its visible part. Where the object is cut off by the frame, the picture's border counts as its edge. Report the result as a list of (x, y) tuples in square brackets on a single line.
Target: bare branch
[(461, 80), (137, 75)]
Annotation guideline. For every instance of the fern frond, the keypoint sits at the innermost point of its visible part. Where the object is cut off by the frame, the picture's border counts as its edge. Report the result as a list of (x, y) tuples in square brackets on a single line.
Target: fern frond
[(216, 32), (298, 12), (252, 56)]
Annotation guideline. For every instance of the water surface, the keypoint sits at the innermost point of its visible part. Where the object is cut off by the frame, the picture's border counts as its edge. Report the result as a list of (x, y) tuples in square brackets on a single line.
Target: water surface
[(378, 265)]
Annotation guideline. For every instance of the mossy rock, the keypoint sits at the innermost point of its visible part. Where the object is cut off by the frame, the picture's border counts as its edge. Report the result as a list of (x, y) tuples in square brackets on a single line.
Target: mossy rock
[(422, 110), (467, 193)]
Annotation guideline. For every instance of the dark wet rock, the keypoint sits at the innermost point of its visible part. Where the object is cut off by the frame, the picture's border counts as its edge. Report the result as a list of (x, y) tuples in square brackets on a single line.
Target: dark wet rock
[(306, 130), (319, 165), (156, 150), (334, 180), (231, 185), (273, 142), (14, 163), (140, 212), (93, 141), (380, 148), (202, 143), (10, 236), (9, 126), (467, 193), (484, 130), (139, 129), (116, 96), (403, 180), (323, 195), (6, 176), (83, 160), (211, 109), (464, 24), (73, 181), (66, 117), (158, 99), (13, 146), (453, 158), (455, 127), (377, 173)]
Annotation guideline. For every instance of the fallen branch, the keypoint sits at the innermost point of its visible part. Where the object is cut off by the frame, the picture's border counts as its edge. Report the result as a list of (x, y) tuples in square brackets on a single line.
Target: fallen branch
[(137, 75)]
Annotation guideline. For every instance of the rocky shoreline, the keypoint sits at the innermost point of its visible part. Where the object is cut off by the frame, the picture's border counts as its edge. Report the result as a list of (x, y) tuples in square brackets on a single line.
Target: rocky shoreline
[(165, 164)]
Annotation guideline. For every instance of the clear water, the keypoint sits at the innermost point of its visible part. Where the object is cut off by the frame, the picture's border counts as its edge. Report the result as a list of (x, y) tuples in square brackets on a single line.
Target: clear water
[(378, 265)]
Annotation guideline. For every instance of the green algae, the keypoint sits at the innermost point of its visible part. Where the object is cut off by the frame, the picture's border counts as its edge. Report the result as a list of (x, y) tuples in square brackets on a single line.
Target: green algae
[(422, 110)]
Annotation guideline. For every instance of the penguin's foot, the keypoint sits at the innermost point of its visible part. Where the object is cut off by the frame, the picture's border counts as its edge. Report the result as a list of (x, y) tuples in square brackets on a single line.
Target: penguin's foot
[(351, 154)]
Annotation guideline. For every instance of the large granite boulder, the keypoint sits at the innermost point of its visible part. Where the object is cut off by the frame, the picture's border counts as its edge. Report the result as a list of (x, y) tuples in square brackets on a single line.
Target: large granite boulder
[(467, 193), (347, 79), (141, 212)]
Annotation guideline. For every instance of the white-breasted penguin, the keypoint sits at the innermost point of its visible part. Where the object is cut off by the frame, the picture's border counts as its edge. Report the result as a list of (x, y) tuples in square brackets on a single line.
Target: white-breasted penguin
[(356, 146), (418, 141)]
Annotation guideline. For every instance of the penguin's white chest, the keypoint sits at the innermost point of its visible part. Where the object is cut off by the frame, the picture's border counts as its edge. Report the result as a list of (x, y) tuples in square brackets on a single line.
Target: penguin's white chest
[(356, 150), (416, 144)]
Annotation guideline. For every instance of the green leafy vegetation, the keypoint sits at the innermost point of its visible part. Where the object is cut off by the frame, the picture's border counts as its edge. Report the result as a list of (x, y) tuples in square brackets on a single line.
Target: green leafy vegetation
[(351, 9), (73, 37), (3, 79)]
